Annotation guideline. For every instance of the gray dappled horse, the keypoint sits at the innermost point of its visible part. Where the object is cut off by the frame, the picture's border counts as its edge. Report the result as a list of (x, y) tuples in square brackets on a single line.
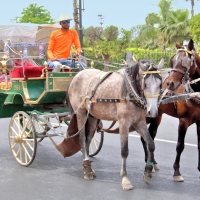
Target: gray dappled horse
[(127, 96)]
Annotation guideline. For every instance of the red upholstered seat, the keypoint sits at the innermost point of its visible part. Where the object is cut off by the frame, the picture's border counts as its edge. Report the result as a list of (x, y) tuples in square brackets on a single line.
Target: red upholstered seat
[(30, 71)]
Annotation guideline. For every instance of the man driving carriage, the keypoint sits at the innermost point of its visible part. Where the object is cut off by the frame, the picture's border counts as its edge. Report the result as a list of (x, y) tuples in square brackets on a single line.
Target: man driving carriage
[(60, 43)]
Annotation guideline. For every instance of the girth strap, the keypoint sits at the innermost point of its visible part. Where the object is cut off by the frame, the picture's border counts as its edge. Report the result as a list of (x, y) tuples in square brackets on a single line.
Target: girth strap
[(117, 100)]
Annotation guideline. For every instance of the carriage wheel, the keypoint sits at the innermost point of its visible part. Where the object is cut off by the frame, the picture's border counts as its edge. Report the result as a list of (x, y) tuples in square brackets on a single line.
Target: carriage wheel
[(22, 138), (96, 143)]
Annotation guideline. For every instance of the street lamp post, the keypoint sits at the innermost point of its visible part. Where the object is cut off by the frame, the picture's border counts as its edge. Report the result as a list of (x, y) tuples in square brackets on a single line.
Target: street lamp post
[(101, 20), (80, 23)]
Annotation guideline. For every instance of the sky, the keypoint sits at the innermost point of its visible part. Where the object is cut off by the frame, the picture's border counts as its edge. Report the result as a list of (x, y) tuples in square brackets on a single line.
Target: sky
[(121, 13)]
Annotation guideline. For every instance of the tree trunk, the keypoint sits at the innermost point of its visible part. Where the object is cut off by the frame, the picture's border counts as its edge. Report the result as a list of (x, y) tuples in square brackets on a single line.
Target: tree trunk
[(192, 11), (106, 59), (76, 15)]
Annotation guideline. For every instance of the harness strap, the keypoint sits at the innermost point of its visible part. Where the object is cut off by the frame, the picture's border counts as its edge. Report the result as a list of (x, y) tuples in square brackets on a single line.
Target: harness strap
[(185, 49), (118, 100), (174, 98), (151, 72), (107, 100), (178, 70), (102, 78)]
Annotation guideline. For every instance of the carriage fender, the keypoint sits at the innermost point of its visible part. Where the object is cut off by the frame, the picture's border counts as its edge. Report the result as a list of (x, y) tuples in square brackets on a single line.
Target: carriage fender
[(13, 99), (70, 146)]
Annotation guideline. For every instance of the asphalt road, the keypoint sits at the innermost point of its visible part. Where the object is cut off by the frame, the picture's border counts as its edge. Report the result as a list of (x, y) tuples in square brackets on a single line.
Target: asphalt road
[(53, 177)]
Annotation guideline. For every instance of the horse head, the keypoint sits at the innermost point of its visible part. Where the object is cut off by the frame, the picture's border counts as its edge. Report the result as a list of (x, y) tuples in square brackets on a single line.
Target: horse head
[(151, 84), (183, 65)]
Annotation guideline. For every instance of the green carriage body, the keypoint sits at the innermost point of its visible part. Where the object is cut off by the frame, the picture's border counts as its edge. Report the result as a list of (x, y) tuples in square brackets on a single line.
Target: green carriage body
[(42, 94), (36, 104)]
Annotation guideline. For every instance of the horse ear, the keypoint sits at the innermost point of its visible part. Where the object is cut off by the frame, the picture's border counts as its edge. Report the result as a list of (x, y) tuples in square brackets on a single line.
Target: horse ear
[(177, 45), (143, 67), (191, 45), (161, 64), (133, 58)]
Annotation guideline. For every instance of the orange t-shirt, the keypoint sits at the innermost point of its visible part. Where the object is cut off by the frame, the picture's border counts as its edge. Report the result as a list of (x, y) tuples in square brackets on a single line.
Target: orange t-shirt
[(60, 43)]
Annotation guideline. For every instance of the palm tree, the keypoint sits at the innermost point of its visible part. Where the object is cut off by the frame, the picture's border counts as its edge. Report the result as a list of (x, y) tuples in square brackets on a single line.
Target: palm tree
[(177, 20), (76, 15), (192, 4)]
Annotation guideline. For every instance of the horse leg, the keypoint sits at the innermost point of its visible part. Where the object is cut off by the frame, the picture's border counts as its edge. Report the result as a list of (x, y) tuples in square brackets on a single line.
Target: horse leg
[(153, 127), (141, 128), (198, 143), (183, 125), (90, 128), (89, 174), (124, 130)]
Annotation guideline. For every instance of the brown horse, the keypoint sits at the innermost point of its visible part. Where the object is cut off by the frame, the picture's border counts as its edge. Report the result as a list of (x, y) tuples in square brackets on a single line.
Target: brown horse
[(185, 66), (126, 96)]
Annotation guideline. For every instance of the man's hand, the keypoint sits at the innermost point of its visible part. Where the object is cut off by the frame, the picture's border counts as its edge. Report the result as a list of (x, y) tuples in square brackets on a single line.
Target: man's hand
[(76, 54)]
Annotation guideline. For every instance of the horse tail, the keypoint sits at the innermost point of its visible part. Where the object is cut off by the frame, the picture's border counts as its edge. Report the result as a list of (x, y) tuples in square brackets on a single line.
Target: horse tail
[(68, 101)]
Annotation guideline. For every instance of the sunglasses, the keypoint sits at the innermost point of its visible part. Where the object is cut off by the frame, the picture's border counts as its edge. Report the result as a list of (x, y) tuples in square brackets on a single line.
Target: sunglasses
[(65, 21)]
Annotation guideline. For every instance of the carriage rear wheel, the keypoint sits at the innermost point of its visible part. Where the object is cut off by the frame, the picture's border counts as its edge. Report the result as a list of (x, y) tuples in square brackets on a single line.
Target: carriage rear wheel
[(22, 138), (96, 143)]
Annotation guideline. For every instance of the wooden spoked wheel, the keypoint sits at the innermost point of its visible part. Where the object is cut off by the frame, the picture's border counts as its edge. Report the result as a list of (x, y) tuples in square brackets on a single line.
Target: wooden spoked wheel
[(96, 143), (22, 138)]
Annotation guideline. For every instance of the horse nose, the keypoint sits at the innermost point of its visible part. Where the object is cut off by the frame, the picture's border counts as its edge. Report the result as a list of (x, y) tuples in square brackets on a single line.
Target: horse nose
[(170, 84), (152, 114)]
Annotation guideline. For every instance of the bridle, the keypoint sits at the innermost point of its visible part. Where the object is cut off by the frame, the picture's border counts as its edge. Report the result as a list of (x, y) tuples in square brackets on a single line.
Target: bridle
[(151, 71), (140, 99), (187, 62)]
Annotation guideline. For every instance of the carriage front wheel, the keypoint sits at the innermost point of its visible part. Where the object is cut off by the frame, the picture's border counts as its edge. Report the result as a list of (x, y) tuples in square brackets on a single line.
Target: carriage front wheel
[(22, 138)]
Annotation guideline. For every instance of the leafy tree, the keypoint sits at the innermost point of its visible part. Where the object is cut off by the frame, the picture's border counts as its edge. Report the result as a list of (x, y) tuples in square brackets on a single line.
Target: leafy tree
[(35, 14), (195, 27), (163, 29), (108, 42), (177, 20), (192, 5)]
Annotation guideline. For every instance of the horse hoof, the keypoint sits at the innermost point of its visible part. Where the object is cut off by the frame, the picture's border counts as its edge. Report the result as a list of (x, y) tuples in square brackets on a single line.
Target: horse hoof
[(153, 170), (89, 177), (93, 173), (178, 178), (156, 167), (126, 184), (127, 187), (147, 178)]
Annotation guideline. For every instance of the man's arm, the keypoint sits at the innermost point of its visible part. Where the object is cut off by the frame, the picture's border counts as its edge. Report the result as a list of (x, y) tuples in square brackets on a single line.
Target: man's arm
[(77, 43), (50, 48)]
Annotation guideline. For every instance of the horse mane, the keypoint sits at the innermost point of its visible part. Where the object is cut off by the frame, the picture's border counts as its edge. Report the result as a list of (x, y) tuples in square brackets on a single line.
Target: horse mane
[(133, 73), (196, 86)]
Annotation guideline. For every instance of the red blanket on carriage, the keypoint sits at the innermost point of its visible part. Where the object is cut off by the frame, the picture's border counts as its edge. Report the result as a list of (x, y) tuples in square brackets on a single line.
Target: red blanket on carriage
[(30, 70)]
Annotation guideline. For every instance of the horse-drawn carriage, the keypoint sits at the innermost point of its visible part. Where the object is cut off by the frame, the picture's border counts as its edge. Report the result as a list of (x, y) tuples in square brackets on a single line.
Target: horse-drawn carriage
[(35, 99)]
